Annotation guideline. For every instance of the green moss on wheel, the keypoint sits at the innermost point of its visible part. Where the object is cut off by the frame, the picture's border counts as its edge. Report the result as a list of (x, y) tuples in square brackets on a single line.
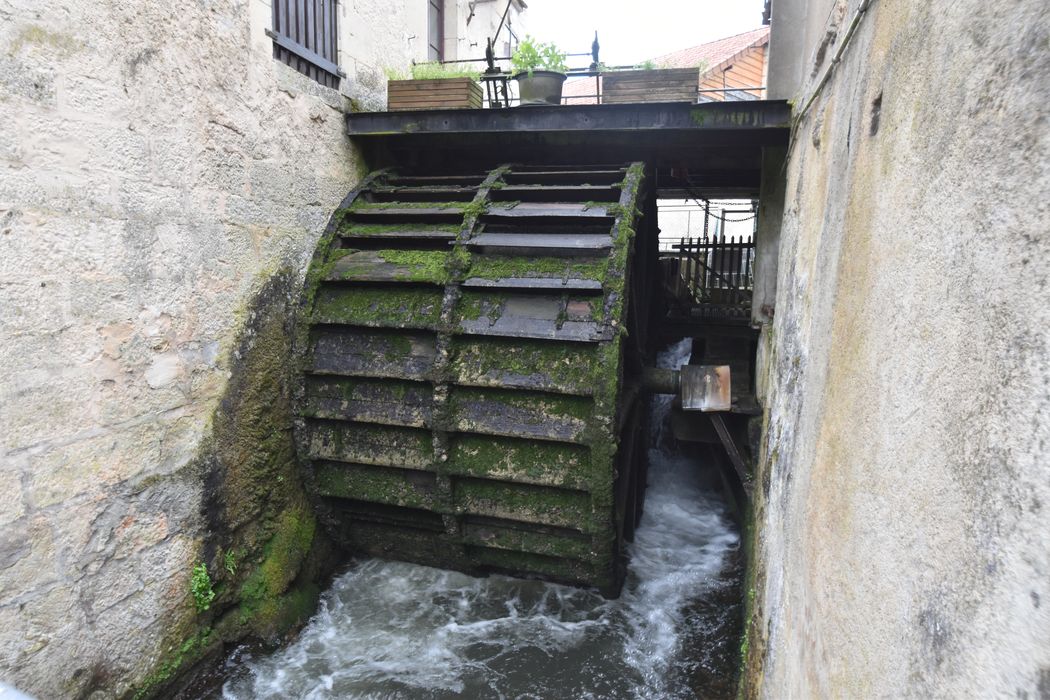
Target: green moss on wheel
[(362, 205), (359, 230), (409, 308), (500, 267), (537, 364), (538, 504), (528, 461)]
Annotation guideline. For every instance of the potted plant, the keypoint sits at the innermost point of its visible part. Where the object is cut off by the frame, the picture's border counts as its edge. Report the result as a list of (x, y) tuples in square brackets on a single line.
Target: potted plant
[(540, 72), (648, 82), (433, 86)]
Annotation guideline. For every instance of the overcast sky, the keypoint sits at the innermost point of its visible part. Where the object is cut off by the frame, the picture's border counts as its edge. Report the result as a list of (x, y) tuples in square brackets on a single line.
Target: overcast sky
[(631, 31)]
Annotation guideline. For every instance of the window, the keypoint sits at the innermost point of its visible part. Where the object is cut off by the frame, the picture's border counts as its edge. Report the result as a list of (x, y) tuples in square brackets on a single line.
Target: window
[(436, 30), (304, 37)]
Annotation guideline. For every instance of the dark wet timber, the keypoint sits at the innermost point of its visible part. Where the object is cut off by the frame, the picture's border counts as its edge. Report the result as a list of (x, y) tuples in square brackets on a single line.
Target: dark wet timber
[(467, 398)]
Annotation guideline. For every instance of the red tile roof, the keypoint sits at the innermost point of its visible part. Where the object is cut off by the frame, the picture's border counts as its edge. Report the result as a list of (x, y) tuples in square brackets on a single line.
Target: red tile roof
[(710, 55), (715, 52)]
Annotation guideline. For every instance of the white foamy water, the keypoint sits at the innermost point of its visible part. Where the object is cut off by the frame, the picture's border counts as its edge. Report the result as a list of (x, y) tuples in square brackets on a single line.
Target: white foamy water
[(396, 630)]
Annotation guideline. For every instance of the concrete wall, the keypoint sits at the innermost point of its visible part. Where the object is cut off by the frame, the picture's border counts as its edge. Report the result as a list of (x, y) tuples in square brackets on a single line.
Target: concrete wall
[(466, 39), (903, 518), (162, 183)]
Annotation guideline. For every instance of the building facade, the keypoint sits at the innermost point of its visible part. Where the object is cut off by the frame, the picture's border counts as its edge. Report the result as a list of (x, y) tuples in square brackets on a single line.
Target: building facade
[(900, 505), (164, 176)]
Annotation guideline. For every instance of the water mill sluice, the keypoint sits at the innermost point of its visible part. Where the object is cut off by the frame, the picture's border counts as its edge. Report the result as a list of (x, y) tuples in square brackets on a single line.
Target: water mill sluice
[(470, 349)]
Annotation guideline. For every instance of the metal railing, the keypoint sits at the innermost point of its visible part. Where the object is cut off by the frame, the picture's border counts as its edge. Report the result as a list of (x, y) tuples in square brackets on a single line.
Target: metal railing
[(712, 278), (499, 94)]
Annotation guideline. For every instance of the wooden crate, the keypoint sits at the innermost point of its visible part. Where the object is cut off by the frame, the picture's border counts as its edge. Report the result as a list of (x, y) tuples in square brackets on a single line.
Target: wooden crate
[(659, 85), (444, 93)]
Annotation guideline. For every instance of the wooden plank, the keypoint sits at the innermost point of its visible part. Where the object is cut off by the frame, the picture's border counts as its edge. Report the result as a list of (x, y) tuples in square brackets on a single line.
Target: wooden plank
[(377, 307), (631, 84), (562, 368), (305, 55), (543, 463), (401, 235), (650, 96), (372, 266), (550, 209), (511, 414), (435, 98), (370, 444), (366, 353), (546, 242), (732, 452), (548, 283), (419, 94), (429, 180), (657, 74), (300, 32), (430, 85), (383, 402), (432, 81), (395, 212)]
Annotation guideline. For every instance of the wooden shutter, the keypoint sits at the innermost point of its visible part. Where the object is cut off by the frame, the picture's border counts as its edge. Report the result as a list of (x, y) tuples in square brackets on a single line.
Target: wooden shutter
[(304, 37)]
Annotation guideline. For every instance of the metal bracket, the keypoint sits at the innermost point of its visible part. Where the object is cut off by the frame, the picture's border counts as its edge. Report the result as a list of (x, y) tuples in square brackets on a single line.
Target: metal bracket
[(706, 388)]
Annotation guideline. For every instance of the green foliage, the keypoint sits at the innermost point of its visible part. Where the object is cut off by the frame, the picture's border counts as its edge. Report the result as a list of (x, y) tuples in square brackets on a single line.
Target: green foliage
[(200, 586), (191, 650), (432, 71), (532, 55), (230, 563), (648, 64), (438, 71)]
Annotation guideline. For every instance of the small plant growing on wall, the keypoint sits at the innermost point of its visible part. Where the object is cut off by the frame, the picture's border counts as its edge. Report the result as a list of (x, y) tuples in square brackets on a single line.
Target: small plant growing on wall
[(200, 586), (230, 563)]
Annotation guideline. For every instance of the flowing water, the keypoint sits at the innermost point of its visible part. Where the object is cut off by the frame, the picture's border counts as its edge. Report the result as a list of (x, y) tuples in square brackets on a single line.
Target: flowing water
[(396, 630)]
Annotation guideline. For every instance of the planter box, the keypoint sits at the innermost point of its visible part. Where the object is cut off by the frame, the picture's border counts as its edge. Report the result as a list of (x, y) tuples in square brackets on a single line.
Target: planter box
[(660, 85), (446, 93)]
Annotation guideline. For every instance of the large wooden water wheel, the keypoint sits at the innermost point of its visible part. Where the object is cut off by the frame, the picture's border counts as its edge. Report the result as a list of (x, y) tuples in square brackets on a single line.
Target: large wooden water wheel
[(466, 348)]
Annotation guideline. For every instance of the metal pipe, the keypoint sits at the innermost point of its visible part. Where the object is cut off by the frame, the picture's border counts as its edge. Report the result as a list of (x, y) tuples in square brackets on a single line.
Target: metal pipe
[(850, 31), (661, 381)]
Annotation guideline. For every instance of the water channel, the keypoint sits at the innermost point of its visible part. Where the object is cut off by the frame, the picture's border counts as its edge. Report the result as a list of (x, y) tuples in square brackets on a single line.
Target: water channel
[(395, 630)]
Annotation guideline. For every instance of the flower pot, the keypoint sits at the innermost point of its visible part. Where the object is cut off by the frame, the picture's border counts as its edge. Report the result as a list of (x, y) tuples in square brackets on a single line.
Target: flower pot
[(543, 87)]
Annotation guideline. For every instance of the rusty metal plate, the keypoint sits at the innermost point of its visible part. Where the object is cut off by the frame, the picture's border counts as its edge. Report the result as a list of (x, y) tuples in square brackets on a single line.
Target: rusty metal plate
[(706, 388)]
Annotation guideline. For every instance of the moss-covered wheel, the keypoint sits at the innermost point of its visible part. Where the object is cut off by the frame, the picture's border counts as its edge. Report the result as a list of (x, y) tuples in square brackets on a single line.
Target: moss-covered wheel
[(462, 355)]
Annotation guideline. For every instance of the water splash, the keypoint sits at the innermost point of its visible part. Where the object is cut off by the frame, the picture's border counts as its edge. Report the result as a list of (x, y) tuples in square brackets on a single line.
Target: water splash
[(396, 630)]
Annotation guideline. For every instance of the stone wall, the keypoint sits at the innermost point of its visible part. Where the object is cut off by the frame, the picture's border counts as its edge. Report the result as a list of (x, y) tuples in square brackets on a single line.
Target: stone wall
[(162, 183), (904, 507)]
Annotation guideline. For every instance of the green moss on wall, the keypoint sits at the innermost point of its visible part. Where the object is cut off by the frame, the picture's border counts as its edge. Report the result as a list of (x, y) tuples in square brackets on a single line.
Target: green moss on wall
[(254, 505)]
